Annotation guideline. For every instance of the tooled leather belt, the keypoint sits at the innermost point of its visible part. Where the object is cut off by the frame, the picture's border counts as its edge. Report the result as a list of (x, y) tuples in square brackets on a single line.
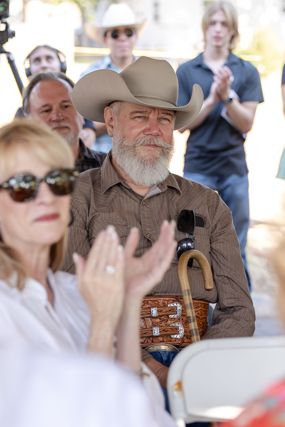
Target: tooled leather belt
[(163, 320)]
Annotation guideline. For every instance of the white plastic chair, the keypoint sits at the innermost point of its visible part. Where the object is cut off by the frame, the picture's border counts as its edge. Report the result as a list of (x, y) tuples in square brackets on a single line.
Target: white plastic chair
[(212, 380)]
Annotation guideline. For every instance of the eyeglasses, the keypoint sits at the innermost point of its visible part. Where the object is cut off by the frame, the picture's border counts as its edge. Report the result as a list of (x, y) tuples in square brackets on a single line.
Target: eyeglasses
[(24, 187), (128, 32)]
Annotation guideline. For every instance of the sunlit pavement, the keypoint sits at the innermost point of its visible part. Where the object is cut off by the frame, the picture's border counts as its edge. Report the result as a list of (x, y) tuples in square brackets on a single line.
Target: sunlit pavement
[(261, 242), (264, 148)]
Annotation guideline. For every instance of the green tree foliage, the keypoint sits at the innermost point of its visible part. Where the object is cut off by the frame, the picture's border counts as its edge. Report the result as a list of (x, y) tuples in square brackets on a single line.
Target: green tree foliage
[(265, 51)]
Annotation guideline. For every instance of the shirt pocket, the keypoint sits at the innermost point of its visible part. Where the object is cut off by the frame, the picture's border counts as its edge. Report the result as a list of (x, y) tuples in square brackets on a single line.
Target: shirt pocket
[(101, 220), (202, 244)]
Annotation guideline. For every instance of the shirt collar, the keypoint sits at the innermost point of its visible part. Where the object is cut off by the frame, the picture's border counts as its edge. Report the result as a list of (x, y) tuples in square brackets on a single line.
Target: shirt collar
[(82, 150), (108, 64), (32, 289), (199, 60), (170, 182), (110, 178), (232, 59)]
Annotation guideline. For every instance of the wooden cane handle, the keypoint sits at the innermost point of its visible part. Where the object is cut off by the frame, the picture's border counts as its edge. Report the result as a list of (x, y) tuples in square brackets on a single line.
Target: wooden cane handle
[(186, 290), (204, 264)]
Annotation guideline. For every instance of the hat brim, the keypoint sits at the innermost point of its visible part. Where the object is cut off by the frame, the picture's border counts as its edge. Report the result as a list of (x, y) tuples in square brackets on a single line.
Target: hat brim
[(96, 90)]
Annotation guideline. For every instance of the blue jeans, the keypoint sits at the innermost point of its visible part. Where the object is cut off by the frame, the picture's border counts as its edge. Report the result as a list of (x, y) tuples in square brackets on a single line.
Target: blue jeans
[(233, 190), (165, 358)]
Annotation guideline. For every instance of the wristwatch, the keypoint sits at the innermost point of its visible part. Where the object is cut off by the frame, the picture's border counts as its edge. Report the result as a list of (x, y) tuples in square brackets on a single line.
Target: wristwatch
[(229, 99), (231, 96)]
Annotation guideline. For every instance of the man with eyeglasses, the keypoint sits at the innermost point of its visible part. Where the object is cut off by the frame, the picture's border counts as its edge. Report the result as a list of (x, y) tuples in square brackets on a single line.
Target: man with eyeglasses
[(119, 33)]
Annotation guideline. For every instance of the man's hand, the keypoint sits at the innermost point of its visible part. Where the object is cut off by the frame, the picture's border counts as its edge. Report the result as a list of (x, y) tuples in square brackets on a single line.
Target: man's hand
[(223, 79), (214, 96), (158, 369)]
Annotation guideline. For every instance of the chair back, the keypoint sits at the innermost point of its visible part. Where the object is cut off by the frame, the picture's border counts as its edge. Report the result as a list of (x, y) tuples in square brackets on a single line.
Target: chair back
[(212, 380)]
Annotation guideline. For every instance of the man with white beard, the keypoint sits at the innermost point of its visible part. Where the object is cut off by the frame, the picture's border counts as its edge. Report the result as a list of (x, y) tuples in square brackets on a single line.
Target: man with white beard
[(134, 188)]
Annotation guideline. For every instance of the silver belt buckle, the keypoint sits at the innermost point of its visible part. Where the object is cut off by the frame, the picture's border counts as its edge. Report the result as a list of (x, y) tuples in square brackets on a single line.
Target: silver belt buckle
[(153, 312), (178, 313), (155, 331), (178, 325), (180, 329)]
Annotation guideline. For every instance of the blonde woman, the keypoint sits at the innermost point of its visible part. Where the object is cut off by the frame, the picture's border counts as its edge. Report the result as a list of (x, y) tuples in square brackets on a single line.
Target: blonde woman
[(98, 309)]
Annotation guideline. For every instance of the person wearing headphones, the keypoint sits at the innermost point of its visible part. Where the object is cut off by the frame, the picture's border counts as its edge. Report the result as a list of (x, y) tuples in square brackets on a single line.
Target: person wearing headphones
[(44, 58)]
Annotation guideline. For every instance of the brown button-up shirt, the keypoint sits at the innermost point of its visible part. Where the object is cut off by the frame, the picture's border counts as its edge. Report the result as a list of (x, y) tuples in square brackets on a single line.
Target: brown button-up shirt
[(102, 198)]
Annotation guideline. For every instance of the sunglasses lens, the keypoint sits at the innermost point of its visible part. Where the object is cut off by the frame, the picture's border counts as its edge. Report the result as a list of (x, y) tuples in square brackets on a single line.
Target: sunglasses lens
[(61, 182), (129, 32), (23, 188), (115, 34)]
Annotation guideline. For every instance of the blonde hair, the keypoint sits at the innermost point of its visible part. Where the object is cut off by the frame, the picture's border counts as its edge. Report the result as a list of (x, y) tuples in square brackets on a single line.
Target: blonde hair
[(231, 16), (50, 148)]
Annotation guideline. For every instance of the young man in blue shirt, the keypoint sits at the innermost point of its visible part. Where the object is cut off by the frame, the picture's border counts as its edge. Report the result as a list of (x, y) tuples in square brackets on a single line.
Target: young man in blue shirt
[(215, 154)]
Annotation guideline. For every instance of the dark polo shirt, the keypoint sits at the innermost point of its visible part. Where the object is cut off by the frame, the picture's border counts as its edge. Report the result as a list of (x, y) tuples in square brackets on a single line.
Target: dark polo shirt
[(102, 198), (88, 159), (216, 148)]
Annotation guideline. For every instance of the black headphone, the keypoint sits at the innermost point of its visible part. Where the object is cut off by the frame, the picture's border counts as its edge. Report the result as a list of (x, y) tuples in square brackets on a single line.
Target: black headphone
[(59, 54)]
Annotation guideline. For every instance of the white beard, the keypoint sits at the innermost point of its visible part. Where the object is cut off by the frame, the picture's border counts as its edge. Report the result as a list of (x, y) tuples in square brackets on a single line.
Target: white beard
[(142, 171)]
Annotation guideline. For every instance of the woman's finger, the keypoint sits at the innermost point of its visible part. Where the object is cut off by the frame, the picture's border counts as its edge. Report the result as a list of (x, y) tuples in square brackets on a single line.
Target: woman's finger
[(100, 250), (79, 265)]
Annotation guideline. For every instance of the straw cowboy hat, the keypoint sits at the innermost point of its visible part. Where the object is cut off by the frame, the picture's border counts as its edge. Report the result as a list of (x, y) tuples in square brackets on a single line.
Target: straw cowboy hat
[(117, 15), (147, 81)]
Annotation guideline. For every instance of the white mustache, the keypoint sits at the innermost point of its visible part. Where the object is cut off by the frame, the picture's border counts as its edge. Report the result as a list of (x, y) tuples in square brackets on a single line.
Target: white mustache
[(150, 140)]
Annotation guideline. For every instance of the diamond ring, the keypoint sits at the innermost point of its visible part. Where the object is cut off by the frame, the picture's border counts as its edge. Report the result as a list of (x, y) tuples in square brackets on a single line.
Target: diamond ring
[(110, 269)]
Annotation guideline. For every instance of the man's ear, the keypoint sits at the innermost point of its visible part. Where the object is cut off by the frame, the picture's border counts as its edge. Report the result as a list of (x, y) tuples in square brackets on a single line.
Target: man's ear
[(109, 120)]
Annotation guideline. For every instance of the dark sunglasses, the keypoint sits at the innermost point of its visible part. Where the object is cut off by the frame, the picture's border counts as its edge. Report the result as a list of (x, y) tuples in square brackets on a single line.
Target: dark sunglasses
[(24, 187), (129, 32)]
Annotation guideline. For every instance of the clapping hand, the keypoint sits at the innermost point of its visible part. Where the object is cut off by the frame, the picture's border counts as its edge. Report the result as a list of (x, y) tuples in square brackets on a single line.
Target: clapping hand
[(223, 79), (142, 274), (101, 278), (113, 283)]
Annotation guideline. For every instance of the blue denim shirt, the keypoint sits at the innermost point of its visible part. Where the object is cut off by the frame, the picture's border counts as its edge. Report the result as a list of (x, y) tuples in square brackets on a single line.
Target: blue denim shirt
[(103, 64)]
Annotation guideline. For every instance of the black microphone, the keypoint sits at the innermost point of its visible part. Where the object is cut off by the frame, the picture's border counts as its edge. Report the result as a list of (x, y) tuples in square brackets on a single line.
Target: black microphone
[(186, 222)]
